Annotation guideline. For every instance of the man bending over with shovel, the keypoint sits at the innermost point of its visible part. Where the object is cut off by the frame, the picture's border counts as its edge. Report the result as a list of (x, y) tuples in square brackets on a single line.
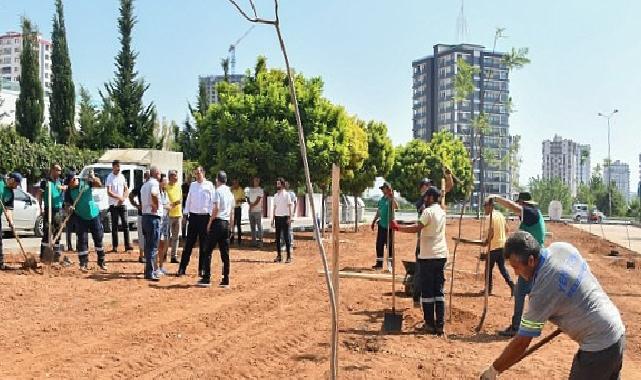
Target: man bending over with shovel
[(431, 259), (6, 196), (566, 293)]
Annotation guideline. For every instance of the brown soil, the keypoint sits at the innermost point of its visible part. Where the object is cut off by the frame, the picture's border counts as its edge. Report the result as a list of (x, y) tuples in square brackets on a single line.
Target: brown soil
[(274, 321)]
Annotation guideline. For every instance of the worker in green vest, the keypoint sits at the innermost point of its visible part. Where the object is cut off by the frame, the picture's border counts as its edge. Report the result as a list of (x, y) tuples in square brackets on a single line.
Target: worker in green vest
[(532, 222), (54, 184), (6, 195)]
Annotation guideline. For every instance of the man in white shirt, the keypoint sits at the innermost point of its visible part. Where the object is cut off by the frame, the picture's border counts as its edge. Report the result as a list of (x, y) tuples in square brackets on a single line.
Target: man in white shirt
[(152, 213), (256, 195), (117, 192), (222, 217), (197, 209), (282, 218), (431, 259)]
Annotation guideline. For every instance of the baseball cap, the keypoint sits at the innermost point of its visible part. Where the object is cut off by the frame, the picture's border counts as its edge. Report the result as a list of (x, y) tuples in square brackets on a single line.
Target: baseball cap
[(69, 177), (432, 191), (525, 197), (425, 182), (386, 185), (16, 176)]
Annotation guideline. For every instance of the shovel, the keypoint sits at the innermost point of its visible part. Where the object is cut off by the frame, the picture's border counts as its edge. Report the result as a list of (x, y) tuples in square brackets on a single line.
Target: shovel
[(48, 252), (392, 322), (30, 261)]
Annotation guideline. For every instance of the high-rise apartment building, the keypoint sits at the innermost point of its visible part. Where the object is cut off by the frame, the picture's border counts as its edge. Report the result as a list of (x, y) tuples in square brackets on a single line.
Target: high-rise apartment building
[(211, 81), (434, 107), (10, 69), (567, 160), (619, 174)]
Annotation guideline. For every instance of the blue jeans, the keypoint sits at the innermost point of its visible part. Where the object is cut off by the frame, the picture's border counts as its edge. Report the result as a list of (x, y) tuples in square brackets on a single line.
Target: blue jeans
[(521, 289), (151, 231)]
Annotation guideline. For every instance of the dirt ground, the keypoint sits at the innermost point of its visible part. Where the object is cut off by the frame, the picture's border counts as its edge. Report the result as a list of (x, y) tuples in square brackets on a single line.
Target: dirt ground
[(274, 321)]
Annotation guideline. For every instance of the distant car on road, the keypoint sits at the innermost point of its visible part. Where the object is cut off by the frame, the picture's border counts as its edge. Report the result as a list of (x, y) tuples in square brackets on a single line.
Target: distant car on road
[(26, 214), (596, 216)]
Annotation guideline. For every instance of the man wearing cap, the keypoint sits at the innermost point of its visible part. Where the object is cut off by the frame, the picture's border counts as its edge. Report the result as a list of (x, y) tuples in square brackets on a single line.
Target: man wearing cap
[(431, 259), (383, 217), (6, 207), (222, 217), (51, 185), (87, 217), (532, 222), (566, 293), (198, 209), (117, 191)]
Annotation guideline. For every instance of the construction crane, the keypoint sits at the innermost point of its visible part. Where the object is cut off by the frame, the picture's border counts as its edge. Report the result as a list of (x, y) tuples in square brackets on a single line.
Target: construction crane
[(232, 50)]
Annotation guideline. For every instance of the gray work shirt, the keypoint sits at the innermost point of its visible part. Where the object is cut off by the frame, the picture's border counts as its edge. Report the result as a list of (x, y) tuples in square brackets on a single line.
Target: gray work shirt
[(223, 200), (565, 292)]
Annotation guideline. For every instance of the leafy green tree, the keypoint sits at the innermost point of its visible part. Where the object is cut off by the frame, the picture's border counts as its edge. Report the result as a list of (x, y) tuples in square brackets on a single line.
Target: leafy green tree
[(634, 208), (30, 103), (89, 134), (596, 194), (546, 190), (132, 120), (62, 107), (419, 159), (187, 140), (252, 131), (379, 162)]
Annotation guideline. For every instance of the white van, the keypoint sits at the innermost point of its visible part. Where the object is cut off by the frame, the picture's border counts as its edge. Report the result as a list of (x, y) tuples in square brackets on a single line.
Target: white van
[(580, 212)]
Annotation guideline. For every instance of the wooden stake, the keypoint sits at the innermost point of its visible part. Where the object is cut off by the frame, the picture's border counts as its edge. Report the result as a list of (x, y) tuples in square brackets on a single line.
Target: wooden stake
[(336, 175)]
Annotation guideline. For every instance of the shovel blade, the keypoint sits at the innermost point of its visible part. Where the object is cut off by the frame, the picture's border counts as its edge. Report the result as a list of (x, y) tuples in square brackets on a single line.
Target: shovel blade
[(47, 255), (392, 322)]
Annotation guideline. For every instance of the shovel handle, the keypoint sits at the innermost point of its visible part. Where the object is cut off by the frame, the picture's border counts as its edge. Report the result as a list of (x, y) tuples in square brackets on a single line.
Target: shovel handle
[(13, 229), (64, 222)]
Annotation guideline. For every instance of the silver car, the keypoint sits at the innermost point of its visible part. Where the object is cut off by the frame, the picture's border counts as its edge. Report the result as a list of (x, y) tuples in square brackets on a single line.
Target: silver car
[(26, 214)]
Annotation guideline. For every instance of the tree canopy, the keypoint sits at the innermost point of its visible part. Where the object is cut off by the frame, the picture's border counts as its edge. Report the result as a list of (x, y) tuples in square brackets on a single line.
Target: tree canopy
[(30, 103)]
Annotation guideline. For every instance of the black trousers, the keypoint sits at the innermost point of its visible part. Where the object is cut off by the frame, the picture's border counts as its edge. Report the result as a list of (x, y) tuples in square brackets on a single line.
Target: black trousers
[(432, 292), (496, 257), (56, 221), (197, 231), (218, 236), (237, 216), (70, 228), (93, 226), (381, 242), (282, 228), (1, 252), (116, 213)]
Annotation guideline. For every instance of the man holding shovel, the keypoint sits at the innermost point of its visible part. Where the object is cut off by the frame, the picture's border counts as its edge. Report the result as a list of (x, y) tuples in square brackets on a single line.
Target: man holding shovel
[(383, 216), (565, 292), (80, 201), (51, 190), (431, 259), (6, 196)]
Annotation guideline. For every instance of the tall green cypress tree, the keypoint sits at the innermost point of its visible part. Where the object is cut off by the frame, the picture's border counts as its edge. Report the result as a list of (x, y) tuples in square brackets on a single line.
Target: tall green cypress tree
[(126, 90), (62, 108), (30, 103)]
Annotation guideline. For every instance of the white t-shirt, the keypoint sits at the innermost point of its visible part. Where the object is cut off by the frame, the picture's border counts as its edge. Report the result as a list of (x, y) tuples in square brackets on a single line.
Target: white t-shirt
[(224, 200), (433, 242), (254, 193), (150, 187), (117, 183), (282, 204), (199, 198)]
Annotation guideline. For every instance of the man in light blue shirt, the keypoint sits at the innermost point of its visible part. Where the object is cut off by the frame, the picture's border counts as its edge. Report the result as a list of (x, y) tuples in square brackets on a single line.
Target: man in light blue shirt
[(222, 216)]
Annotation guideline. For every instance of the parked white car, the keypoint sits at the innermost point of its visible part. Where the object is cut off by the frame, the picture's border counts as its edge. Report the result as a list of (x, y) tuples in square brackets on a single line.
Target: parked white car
[(26, 214), (580, 212)]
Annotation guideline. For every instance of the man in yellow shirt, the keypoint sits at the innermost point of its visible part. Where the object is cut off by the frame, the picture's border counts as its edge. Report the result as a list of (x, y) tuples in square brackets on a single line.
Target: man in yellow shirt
[(496, 236), (239, 197), (175, 195)]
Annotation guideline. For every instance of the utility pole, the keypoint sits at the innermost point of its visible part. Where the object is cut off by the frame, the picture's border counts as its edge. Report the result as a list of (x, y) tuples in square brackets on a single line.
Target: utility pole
[(608, 117)]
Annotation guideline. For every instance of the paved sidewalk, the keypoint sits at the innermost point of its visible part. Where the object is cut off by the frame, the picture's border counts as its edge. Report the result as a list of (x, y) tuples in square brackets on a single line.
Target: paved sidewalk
[(627, 236)]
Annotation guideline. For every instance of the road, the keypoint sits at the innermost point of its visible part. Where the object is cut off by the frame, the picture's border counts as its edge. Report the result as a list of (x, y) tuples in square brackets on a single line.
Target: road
[(624, 235)]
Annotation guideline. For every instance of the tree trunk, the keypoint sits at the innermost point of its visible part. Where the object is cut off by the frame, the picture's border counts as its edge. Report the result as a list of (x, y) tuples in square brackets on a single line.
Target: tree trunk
[(355, 213)]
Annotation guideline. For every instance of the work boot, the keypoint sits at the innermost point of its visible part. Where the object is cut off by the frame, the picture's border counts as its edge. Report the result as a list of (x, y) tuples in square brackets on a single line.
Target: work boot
[(278, 259), (438, 330), (102, 265), (289, 259), (508, 332), (224, 283), (84, 263)]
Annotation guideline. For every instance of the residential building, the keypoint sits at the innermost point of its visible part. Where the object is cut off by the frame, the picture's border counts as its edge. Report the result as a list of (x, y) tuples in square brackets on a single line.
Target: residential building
[(618, 174), (211, 81), (434, 107), (10, 69), (567, 160), (9, 92)]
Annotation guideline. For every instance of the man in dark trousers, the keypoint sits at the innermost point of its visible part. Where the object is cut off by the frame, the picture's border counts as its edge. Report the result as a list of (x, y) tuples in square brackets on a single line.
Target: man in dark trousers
[(52, 184), (281, 219), (383, 217), (222, 217), (6, 195), (198, 210), (87, 217), (118, 191), (566, 293)]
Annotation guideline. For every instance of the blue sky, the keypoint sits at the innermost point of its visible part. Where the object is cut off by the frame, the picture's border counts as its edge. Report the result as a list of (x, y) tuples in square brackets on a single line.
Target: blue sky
[(584, 56)]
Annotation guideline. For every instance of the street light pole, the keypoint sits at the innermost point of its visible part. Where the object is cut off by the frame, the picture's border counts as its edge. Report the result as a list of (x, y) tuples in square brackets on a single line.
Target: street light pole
[(608, 117)]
